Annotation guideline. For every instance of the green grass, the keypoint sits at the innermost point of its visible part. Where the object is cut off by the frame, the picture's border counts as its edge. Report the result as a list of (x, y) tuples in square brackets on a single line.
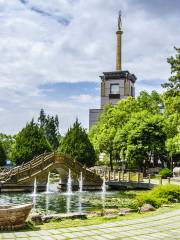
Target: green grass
[(99, 220), (95, 220)]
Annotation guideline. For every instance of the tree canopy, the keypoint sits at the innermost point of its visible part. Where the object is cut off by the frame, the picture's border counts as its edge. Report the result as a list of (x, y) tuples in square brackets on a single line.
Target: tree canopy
[(2, 155), (136, 130), (7, 143), (173, 85), (30, 142), (50, 126), (77, 144)]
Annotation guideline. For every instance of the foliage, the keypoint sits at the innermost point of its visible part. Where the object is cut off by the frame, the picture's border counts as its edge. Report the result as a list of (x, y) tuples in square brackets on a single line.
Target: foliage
[(30, 142), (159, 195), (173, 145), (165, 172), (112, 126), (2, 155), (7, 142), (173, 85), (50, 126), (124, 199), (142, 138), (77, 144)]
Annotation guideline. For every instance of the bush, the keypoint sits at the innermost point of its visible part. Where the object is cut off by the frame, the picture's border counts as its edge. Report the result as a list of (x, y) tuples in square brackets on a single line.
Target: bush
[(160, 195), (165, 172)]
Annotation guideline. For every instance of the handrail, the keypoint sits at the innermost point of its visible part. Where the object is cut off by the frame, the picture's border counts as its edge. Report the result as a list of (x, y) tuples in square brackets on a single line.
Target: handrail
[(44, 161)]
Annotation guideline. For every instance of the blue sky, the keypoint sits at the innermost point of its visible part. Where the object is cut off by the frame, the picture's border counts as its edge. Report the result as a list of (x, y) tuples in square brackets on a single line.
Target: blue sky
[(53, 51)]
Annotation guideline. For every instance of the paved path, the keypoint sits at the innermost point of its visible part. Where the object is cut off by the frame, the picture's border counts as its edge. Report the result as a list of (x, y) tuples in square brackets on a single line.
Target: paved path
[(165, 226)]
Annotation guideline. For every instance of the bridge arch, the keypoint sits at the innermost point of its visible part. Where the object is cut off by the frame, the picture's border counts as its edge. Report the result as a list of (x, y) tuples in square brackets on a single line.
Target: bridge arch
[(21, 178)]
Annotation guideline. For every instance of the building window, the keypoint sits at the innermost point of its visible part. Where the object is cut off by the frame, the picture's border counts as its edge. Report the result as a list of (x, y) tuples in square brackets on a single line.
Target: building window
[(114, 89)]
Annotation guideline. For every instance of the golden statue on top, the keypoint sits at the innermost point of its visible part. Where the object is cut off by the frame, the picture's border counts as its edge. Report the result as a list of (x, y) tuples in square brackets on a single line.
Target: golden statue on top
[(119, 22)]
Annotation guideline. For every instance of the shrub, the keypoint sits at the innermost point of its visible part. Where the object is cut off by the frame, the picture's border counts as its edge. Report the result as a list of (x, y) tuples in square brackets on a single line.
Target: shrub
[(159, 195), (165, 172)]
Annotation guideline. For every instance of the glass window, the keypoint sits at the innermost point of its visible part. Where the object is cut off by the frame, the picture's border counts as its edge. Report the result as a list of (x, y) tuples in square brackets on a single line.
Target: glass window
[(114, 89)]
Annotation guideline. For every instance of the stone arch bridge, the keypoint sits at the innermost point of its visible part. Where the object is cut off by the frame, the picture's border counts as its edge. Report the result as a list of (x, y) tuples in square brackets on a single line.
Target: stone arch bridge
[(21, 178)]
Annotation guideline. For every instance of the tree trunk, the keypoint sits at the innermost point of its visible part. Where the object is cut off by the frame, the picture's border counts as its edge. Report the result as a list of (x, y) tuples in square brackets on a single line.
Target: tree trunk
[(111, 163)]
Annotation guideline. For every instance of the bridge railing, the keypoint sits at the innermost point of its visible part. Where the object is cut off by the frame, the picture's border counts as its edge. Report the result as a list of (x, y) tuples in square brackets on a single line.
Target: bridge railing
[(121, 176), (77, 167), (43, 162), (28, 169)]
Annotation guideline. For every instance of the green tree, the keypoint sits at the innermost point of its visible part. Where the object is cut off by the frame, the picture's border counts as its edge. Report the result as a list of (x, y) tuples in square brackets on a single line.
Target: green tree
[(77, 144), (142, 139), (151, 102), (30, 142), (7, 142), (173, 147), (2, 155), (42, 118), (50, 125), (173, 85)]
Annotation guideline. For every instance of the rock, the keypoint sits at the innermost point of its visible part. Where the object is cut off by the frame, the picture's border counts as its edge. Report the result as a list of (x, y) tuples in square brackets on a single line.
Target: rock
[(124, 211), (147, 208), (36, 218), (110, 216), (61, 216)]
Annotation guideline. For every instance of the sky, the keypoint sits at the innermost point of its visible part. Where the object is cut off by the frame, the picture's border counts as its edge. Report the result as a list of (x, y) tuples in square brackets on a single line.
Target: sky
[(52, 53)]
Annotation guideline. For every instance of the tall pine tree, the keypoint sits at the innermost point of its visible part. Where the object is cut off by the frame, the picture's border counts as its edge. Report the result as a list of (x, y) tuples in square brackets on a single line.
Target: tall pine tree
[(30, 142), (50, 126), (77, 144)]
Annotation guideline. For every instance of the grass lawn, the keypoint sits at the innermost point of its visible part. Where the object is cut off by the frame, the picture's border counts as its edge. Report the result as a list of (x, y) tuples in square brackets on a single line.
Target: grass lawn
[(92, 220)]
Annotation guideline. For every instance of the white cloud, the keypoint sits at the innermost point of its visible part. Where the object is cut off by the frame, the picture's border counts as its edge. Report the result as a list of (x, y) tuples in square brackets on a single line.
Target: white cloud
[(72, 41), (85, 98)]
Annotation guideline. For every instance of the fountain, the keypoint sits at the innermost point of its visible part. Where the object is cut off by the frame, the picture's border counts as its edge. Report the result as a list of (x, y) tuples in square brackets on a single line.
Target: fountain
[(68, 203), (104, 186), (69, 183), (47, 205), (81, 183), (47, 185), (35, 188), (80, 203), (34, 194)]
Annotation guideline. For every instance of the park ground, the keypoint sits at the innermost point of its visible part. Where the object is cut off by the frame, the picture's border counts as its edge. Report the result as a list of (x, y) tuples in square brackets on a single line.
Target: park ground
[(162, 224)]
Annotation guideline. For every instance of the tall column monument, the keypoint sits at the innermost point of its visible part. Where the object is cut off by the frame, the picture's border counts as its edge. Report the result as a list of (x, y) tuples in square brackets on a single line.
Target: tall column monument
[(115, 85)]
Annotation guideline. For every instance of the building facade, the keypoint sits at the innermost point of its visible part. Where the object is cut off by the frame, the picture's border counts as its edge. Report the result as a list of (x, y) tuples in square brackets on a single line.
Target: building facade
[(115, 85)]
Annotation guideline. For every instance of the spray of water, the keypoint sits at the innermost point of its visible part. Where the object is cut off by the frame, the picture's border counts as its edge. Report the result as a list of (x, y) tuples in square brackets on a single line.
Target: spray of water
[(69, 183), (104, 186), (81, 183), (35, 188), (47, 185)]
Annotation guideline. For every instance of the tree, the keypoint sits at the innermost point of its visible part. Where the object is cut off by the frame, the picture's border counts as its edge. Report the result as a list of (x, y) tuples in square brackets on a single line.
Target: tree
[(111, 120), (77, 144), (142, 139), (50, 126), (173, 85), (30, 142), (7, 143), (2, 155), (151, 102), (42, 118), (173, 147)]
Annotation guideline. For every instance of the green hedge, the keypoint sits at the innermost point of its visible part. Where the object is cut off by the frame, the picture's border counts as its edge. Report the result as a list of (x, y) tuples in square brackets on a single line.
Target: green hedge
[(159, 195)]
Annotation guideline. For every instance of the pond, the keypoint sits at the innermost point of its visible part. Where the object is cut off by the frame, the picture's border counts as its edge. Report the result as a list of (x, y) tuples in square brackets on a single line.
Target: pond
[(59, 202)]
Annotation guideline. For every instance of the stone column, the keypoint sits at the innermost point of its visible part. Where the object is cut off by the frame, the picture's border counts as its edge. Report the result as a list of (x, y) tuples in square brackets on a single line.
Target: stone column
[(118, 50)]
